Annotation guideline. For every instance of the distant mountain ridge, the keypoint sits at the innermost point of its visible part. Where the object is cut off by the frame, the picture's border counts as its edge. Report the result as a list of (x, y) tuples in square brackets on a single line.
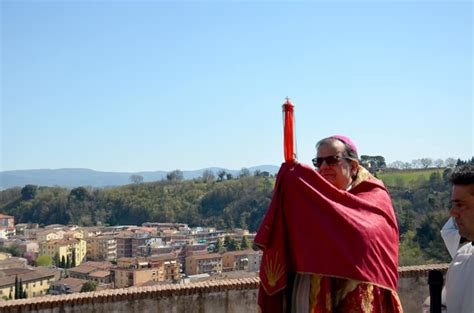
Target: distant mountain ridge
[(74, 177)]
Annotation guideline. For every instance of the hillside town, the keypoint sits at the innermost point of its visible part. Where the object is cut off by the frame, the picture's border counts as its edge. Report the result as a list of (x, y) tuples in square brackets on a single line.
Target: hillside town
[(58, 259)]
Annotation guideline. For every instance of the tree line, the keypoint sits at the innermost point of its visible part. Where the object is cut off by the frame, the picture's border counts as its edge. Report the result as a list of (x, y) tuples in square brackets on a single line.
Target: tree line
[(225, 202)]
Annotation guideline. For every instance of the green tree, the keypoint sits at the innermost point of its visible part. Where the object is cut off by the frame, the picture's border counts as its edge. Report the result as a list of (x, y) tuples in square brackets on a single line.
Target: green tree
[(14, 250), (429, 238), (73, 258), (17, 288), (373, 163), (62, 264), (409, 252), (175, 176), (79, 194), (29, 192), (22, 292), (245, 244), (221, 174), (43, 260), (89, 286), (56, 260), (218, 246), (231, 244), (68, 261)]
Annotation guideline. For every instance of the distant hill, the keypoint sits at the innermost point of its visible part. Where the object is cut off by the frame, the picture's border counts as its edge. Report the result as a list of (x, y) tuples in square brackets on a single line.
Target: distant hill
[(74, 177)]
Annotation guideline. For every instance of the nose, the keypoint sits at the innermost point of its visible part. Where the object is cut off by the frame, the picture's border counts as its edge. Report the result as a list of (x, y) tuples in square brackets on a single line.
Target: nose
[(323, 164)]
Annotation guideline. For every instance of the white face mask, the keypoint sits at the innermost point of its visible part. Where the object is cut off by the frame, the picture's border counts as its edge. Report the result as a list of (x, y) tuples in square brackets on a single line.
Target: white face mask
[(451, 237)]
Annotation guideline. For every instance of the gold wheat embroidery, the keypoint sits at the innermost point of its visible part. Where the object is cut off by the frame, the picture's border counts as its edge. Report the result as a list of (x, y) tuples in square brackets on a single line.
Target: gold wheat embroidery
[(274, 271)]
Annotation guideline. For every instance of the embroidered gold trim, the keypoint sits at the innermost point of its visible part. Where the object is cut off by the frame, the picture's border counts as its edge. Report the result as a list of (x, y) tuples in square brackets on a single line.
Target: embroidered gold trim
[(274, 271)]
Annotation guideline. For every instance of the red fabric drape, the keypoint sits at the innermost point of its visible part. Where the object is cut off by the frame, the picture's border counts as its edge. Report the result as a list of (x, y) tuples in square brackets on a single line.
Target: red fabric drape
[(313, 227)]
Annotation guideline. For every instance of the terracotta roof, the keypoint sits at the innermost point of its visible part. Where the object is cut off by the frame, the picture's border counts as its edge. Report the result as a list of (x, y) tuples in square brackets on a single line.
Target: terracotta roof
[(26, 277), (100, 274), (73, 282), (70, 241), (15, 271), (98, 265), (83, 269)]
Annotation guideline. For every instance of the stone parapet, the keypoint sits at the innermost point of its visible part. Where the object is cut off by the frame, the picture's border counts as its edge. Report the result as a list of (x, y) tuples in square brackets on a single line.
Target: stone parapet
[(229, 296)]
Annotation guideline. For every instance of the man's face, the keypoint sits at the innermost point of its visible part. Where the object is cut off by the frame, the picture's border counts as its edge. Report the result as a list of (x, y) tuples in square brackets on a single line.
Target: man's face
[(462, 209), (338, 174)]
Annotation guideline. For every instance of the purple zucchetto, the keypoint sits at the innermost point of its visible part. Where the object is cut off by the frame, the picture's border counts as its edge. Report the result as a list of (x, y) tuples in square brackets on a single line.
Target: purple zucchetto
[(346, 140)]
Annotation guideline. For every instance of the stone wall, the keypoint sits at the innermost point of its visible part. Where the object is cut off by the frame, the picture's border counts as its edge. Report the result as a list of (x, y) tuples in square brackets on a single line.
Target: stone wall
[(227, 296)]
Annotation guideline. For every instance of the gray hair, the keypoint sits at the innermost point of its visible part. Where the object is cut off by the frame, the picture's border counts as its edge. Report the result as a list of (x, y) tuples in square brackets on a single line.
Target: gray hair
[(348, 153)]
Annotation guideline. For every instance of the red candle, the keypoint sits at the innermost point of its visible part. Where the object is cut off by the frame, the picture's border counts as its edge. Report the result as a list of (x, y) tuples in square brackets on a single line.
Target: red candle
[(288, 131)]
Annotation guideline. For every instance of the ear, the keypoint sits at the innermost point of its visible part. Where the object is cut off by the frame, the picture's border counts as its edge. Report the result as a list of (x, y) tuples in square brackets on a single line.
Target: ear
[(354, 167)]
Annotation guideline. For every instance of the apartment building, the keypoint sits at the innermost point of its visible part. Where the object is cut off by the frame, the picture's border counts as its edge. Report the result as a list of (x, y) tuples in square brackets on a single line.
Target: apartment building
[(65, 249), (102, 248), (137, 271), (204, 263), (237, 260)]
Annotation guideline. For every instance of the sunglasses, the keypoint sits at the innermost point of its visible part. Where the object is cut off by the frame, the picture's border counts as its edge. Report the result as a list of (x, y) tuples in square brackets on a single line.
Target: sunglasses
[(330, 160)]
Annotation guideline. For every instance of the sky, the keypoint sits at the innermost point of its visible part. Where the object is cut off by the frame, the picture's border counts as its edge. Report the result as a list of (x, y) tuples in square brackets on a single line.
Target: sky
[(157, 85)]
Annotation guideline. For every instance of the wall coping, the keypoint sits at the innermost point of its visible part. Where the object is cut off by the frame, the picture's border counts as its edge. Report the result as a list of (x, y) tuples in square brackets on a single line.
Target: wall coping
[(168, 290)]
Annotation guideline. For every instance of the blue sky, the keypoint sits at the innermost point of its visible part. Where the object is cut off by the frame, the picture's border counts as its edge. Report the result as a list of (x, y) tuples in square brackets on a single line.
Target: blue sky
[(154, 85)]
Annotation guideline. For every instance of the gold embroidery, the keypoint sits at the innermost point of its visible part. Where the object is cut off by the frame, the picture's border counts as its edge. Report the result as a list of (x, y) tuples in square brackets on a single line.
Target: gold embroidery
[(397, 299), (274, 271), (362, 175), (367, 299), (314, 290)]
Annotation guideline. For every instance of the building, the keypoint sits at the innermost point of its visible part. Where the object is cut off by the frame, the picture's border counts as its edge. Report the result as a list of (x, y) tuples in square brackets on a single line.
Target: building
[(129, 243), (22, 227), (61, 250), (136, 271), (7, 225), (124, 245), (35, 283), (102, 248), (237, 260), (254, 261), (170, 265), (66, 286), (8, 262), (203, 263), (96, 271), (50, 234)]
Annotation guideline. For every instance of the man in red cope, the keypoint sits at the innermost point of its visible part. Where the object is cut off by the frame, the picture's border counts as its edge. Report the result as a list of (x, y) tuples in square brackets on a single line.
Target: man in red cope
[(330, 238)]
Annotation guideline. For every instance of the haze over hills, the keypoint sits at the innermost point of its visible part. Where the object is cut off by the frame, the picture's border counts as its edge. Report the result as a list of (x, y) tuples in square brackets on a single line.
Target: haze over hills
[(74, 177)]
